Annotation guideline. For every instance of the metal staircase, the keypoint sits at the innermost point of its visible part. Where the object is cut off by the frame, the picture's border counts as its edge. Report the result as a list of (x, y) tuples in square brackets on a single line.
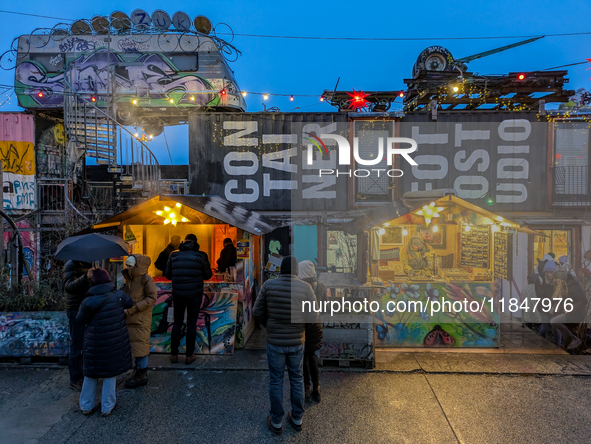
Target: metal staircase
[(135, 169)]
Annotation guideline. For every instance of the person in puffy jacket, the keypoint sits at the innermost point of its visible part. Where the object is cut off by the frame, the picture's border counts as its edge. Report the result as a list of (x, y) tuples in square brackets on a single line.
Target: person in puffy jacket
[(106, 352), (187, 268), (307, 273), (141, 288), (278, 307), (76, 284), (228, 256)]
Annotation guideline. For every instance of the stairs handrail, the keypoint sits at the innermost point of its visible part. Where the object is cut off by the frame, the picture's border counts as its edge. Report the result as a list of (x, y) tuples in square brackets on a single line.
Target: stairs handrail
[(88, 102)]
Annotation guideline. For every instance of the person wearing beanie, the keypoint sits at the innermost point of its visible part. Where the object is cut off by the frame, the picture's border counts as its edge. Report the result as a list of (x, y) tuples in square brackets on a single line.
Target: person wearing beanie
[(566, 287), (140, 287), (228, 256), (76, 284), (307, 273), (187, 268), (285, 340), (162, 260), (531, 319), (106, 352)]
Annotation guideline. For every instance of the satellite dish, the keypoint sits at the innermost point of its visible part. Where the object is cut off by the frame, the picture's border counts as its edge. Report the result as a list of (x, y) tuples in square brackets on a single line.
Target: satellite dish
[(81, 27), (161, 20), (100, 24), (141, 18), (202, 24), (120, 20), (181, 21)]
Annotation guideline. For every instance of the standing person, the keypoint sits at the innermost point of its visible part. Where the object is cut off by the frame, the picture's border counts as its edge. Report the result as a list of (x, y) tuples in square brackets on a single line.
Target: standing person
[(567, 287), (76, 284), (107, 353), (228, 256), (285, 340), (307, 273), (532, 319), (141, 288), (187, 269), (162, 260), (544, 289)]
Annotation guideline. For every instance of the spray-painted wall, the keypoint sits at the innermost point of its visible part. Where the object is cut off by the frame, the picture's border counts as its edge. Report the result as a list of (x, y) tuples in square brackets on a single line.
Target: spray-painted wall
[(148, 72), (17, 139)]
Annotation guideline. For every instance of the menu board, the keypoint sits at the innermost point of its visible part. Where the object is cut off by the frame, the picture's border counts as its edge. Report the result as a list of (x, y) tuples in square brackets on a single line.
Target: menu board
[(503, 260), (475, 247)]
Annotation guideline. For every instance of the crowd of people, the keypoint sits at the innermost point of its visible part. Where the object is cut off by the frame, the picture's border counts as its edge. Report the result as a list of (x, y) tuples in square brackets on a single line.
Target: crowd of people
[(555, 279), (110, 328)]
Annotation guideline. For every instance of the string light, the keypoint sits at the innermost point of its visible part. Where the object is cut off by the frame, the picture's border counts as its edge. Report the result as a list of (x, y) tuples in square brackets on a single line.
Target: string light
[(192, 98), (134, 101), (171, 100), (244, 93), (266, 96), (291, 98)]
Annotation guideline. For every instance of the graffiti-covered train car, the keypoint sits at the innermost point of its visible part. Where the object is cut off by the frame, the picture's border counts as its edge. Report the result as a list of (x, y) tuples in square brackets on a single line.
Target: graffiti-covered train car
[(163, 75)]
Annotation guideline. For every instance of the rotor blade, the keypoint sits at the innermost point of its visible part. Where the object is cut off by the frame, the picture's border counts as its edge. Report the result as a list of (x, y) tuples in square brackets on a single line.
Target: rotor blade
[(494, 51)]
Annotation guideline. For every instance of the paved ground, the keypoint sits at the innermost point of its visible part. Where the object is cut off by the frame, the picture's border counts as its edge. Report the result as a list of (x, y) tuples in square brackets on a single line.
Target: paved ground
[(409, 398)]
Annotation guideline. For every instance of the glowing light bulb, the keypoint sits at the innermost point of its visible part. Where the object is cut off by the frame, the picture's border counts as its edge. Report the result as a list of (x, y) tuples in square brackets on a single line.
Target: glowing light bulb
[(404, 232), (322, 99), (401, 94), (40, 94), (429, 212), (192, 98), (456, 89), (420, 212), (136, 135), (151, 136), (184, 219), (291, 98), (173, 222), (435, 214), (440, 209), (178, 205), (381, 231), (167, 209), (166, 221), (134, 101), (499, 218), (243, 93), (428, 221), (432, 204), (171, 100), (387, 224), (494, 228), (467, 228), (265, 97), (425, 207), (435, 228), (172, 216), (159, 213)]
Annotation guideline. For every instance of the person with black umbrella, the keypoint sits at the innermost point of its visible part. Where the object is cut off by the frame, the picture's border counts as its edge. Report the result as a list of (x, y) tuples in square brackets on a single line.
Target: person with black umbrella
[(76, 284)]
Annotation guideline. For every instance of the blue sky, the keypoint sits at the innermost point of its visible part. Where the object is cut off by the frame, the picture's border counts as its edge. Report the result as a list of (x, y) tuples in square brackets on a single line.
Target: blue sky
[(286, 66)]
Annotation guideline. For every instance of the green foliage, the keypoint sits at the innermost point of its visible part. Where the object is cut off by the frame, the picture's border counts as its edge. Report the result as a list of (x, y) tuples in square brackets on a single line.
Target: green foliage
[(31, 296)]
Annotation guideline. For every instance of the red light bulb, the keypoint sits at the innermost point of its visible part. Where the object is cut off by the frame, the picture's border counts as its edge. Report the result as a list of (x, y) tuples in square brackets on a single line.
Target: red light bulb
[(521, 77), (223, 92), (40, 94), (92, 98), (401, 94), (291, 98)]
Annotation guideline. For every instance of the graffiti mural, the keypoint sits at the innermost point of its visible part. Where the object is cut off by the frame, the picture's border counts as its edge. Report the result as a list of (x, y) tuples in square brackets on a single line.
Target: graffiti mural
[(420, 329), (216, 326), (51, 152), (30, 250), (34, 334), (140, 73), (18, 161)]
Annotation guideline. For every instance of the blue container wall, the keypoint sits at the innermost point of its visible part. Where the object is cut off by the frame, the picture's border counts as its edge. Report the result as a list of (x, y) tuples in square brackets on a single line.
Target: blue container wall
[(305, 242)]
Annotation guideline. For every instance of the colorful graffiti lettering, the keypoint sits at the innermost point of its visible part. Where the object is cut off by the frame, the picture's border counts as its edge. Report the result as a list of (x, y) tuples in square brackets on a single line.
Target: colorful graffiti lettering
[(18, 162), (419, 329), (216, 326), (34, 334), (151, 72)]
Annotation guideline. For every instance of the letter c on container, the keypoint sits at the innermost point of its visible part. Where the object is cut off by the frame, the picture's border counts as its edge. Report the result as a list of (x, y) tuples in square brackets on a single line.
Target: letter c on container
[(240, 197)]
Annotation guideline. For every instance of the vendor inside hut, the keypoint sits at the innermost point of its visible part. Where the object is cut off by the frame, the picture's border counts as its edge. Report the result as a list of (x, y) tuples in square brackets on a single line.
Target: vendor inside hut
[(414, 257)]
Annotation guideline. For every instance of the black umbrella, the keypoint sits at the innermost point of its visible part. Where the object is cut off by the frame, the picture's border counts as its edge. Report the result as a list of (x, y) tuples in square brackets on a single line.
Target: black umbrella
[(91, 247)]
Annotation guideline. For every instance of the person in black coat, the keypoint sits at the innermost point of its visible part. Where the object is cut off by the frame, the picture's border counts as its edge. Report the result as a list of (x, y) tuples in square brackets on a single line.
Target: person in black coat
[(107, 351), (162, 260), (76, 284), (307, 273), (228, 256), (187, 268)]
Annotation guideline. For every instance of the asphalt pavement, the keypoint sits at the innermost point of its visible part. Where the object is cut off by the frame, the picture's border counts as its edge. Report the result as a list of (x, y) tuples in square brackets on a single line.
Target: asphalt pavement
[(440, 398)]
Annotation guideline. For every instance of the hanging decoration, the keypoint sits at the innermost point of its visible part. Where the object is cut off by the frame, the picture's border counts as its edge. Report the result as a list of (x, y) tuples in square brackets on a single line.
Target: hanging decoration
[(358, 100), (170, 217)]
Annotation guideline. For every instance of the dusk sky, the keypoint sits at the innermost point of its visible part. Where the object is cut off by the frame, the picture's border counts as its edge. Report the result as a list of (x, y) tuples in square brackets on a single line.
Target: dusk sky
[(298, 66)]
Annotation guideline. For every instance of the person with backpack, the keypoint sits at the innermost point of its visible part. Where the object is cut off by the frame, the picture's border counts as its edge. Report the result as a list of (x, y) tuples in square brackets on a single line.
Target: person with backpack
[(107, 351), (187, 268), (307, 273), (140, 287)]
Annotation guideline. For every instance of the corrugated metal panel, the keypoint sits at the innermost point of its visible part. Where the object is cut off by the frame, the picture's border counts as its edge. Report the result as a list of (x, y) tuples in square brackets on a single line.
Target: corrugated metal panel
[(475, 153), (17, 127), (245, 166)]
